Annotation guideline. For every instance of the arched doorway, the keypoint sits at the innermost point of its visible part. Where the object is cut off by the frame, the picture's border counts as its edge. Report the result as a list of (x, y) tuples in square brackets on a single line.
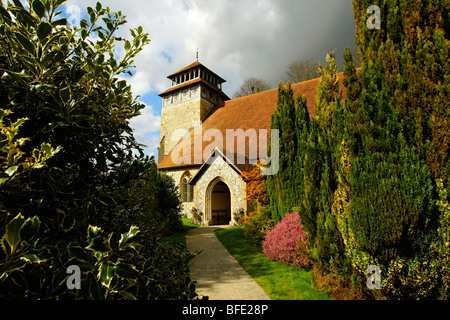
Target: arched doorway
[(220, 204)]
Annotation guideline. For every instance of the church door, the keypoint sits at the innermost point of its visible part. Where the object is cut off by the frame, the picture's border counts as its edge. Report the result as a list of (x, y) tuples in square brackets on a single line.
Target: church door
[(220, 204)]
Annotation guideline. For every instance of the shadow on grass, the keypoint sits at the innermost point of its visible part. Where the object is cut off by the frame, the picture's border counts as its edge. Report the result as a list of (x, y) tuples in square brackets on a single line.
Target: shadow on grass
[(179, 237)]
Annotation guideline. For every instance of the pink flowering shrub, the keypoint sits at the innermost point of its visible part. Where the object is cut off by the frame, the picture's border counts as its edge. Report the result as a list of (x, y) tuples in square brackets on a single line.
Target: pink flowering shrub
[(286, 242)]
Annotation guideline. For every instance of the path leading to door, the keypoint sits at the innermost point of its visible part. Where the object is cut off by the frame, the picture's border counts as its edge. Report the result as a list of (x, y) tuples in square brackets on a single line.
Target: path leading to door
[(219, 276)]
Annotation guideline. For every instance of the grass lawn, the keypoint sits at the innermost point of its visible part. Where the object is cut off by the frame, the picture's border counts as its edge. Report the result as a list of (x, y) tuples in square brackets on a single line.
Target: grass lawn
[(179, 237), (278, 280)]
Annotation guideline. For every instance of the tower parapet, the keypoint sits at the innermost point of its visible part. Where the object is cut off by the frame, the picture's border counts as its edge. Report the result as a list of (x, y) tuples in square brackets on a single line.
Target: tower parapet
[(194, 91)]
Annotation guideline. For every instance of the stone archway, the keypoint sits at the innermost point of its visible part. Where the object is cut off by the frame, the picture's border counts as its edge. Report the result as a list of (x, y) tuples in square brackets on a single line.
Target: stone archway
[(218, 202)]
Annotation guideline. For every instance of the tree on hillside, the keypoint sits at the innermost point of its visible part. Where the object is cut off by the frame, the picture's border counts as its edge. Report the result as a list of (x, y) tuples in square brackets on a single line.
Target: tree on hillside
[(302, 70), (251, 86)]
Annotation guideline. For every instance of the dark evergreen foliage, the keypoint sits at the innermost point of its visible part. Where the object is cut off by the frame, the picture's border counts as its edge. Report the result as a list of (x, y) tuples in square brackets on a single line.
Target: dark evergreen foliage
[(371, 184)]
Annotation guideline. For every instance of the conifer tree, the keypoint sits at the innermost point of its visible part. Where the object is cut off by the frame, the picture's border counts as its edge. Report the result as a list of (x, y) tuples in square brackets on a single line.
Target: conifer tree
[(372, 174), (281, 187), (392, 219), (327, 247)]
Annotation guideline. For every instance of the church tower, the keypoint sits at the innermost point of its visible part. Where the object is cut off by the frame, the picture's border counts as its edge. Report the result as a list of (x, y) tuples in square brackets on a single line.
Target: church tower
[(194, 91)]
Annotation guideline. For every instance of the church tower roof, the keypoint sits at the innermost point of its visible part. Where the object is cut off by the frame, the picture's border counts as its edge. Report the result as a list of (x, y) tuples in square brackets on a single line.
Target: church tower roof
[(195, 90), (193, 74), (195, 65)]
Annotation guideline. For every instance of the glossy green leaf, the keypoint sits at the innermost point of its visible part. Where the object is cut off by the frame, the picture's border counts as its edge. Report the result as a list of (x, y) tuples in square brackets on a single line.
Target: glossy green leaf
[(46, 148), (44, 29), (96, 242), (106, 273), (128, 236), (93, 232), (92, 17), (77, 252), (38, 8), (98, 245), (5, 245), (26, 44), (66, 94), (135, 246), (109, 25), (83, 33), (60, 22), (100, 59), (5, 15), (127, 45), (12, 234), (11, 170), (59, 278), (47, 6), (29, 228), (4, 113), (35, 258), (78, 75), (18, 4)]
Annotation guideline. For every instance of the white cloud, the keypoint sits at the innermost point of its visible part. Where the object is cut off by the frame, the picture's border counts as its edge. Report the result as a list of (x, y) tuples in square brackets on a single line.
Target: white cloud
[(74, 14), (147, 122), (146, 129)]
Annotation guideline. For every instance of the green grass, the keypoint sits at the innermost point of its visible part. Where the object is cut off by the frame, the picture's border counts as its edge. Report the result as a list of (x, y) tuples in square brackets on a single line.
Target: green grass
[(179, 237), (278, 280)]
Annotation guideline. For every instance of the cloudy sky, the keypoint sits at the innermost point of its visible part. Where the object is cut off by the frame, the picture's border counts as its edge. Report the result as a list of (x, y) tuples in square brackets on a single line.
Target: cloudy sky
[(236, 39)]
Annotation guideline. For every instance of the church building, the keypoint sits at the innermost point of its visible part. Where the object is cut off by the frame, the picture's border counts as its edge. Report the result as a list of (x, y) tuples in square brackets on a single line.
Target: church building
[(197, 149)]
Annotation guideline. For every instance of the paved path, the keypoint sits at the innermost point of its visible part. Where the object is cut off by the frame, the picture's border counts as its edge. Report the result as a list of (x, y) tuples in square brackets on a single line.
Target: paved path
[(219, 276)]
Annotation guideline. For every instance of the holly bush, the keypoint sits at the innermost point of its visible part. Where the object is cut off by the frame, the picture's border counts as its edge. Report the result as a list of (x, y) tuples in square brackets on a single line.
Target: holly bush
[(67, 157)]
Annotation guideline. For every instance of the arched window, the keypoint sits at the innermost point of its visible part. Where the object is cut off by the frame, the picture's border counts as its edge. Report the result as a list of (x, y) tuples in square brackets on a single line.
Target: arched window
[(191, 193), (185, 190)]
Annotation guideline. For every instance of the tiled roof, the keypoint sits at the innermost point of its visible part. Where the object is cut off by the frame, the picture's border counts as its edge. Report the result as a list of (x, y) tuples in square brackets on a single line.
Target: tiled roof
[(192, 66), (249, 112)]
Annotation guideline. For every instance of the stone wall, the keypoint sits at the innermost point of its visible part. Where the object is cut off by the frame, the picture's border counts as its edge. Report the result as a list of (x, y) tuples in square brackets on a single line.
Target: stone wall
[(181, 109), (219, 170), (177, 174)]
